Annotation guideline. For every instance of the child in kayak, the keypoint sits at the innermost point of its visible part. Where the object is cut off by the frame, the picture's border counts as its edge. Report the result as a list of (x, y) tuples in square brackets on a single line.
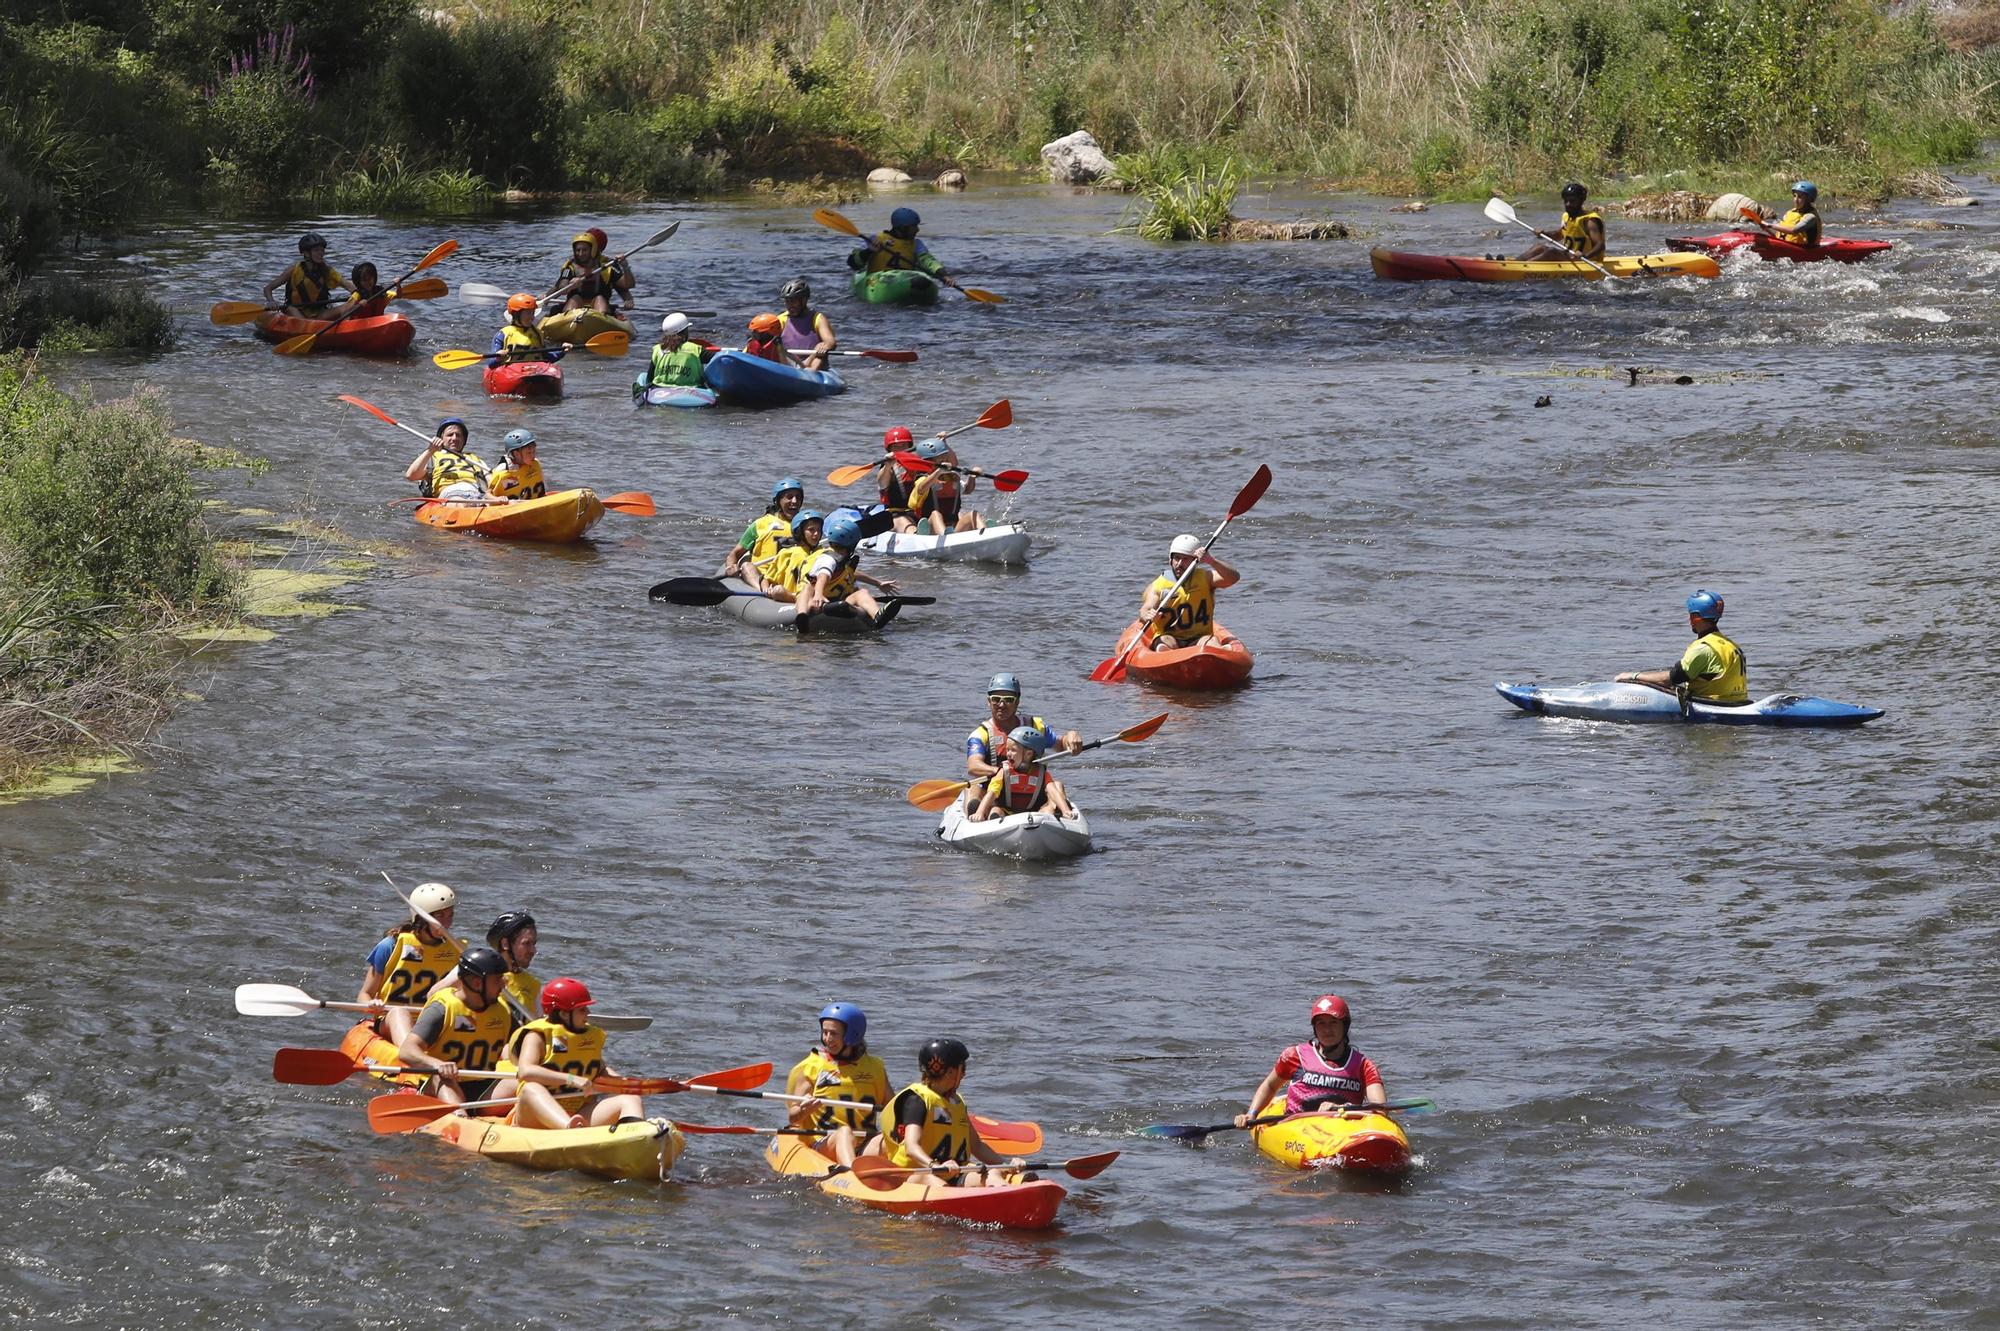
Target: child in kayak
[(464, 1028), (898, 247), (522, 477), (445, 471), (309, 284), (1023, 783), (1327, 1075), (1184, 615), (368, 293), (839, 1068), (410, 959), (937, 501), (768, 530), (676, 361), (834, 574), (562, 1051), (766, 339), (931, 1129), (782, 576), (519, 338)]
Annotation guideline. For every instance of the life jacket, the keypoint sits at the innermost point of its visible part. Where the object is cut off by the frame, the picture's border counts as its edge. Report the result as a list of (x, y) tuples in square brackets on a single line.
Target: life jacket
[(990, 745), (1576, 236), (1733, 684), (1806, 224), (1019, 791), (929, 496), (517, 343), (787, 567), (771, 349), (1318, 1080), (1190, 611), (308, 284), (888, 251), (765, 535), (573, 1053), (896, 494), (473, 1040), (449, 468), (373, 304), (523, 995), (843, 568), (862, 1078), (679, 368), (598, 280), (947, 1130), (806, 333), (511, 482), (414, 966)]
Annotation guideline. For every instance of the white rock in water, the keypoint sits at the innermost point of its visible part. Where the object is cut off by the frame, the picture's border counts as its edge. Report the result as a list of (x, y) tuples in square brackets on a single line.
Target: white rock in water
[(1960, 201), (950, 178), (888, 176), (1075, 159), (1730, 207)]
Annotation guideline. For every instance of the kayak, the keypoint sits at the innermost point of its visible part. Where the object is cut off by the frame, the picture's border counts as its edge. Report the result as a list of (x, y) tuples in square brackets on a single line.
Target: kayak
[(1639, 702), (755, 608), (896, 286), (379, 335), (363, 1045), (1400, 267), (1841, 250), (1372, 1142), (563, 516), (741, 377), (1014, 1206), (1006, 544), (573, 326), (646, 394), (641, 1148), (539, 379), (1223, 665), (1022, 836)]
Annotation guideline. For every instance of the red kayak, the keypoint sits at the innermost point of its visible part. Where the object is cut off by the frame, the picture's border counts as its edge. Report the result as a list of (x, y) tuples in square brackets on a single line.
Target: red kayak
[(1224, 664), (1841, 250), (379, 335), (525, 378)]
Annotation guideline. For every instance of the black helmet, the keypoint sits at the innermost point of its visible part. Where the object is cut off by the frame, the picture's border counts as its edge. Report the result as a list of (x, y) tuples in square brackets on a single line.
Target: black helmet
[(942, 1056), (310, 239), (1574, 192), (481, 961), (503, 929), (798, 286)]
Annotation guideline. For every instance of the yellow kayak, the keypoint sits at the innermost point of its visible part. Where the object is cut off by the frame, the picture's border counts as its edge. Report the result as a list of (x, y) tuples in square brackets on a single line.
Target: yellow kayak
[(634, 1149), (1397, 266), (581, 326), (1356, 1140)]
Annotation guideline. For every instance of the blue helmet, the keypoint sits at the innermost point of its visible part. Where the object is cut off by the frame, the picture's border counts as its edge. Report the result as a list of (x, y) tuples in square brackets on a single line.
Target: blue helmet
[(1705, 605), (1029, 738), (1003, 683), (930, 450), (842, 531), (1807, 188), (518, 439), (805, 515), (450, 421), (902, 217), (851, 1017), (788, 483)]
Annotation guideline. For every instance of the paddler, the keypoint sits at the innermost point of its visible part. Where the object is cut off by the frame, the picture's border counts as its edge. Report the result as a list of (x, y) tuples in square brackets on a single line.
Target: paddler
[(986, 746), (1326, 1075), (898, 247), (521, 477), (782, 576), (368, 293), (931, 1129), (1581, 232), (834, 574), (1023, 783), (766, 339), (1184, 616), (1713, 669), (622, 278), (519, 338), (806, 332), (769, 529), (594, 277), (562, 1051), (309, 284), (1801, 226), (516, 939), (676, 361), (839, 1068), (411, 958), (464, 1028), (937, 500), (444, 470), (893, 481)]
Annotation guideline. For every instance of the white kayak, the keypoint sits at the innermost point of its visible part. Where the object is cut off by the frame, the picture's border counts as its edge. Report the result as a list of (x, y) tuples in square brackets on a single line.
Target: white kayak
[(1639, 702), (1024, 836), (1004, 544)]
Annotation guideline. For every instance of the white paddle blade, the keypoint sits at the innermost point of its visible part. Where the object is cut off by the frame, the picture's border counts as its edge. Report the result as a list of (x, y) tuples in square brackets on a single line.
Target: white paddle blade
[(1499, 210), (273, 1000), (478, 292)]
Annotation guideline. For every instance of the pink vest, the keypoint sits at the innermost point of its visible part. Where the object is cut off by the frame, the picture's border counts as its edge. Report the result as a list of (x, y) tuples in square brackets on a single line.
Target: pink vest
[(1318, 1079), (800, 334)]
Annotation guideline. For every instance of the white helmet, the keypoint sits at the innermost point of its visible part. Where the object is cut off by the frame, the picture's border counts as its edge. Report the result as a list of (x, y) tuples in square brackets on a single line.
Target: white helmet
[(430, 898), (1186, 545), (676, 323)]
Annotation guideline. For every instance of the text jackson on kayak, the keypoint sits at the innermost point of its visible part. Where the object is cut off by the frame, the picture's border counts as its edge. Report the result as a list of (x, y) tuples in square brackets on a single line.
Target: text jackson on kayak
[(1713, 668)]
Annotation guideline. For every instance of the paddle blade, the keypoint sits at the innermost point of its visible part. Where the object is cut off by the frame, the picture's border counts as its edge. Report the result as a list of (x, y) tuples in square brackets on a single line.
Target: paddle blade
[(912, 463), (997, 417), (370, 408), (613, 343), (606, 1022), (827, 217), (235, 311), (690, 591), (1009, 481), (478, 292), (424, 288), (983, 297), (1183, 1132), (664, 233), (746, 1078), (842, 477), (1012, 1138), (273, 1000), (1247, 497), (1144, 730), (635, 502), (613, 1084), (1499, 210), (1089, 1166), (1111, 670), (1747, 210), (390, 1114), (436, 256), (935, 796), (900, 357), (312, 1067), (457, 359), (877, 1172), (301, 345)]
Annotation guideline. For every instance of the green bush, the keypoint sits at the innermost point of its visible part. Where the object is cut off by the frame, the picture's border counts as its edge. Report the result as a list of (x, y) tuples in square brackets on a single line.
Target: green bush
[(30, 220), (260, 134), (626, 150), (1194, 207), (69, 314), (481, 95)]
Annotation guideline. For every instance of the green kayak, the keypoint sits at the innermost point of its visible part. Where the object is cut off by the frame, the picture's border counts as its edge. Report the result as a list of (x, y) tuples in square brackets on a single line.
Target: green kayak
[(896, 286)]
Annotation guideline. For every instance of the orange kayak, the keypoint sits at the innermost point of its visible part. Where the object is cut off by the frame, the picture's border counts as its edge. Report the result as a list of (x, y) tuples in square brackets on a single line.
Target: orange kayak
[(1224, 664), (563, 516), (381, 335), (363, 1045), (1014, 1205)]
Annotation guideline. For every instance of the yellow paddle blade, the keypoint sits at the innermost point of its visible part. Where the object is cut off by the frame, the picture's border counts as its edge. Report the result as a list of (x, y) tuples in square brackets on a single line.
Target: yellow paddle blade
[(424, 288), (456, 359), (983, 297), (827, 217), (844, 476), (935, 795), (235, 311), (297, 346), (613, 343)]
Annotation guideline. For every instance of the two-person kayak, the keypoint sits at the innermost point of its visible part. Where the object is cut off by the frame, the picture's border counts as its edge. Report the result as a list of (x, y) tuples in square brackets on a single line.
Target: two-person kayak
[(1036, 835), (1398, 266), (739, 377), (1003, 544), (563, 516), (379, 335), (1031, 1205), (1641, 702), (1770, 247)]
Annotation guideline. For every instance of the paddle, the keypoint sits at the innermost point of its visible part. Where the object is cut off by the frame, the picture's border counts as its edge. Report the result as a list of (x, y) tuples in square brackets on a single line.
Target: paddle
[(282, 1000), (741, 1131), (230, 312), (877, 1172), (1191, 1132), (610, 343), (1006, 482), (933, 796), (299, 346), (635, 502), (873, 353), (330, 1067), (382, 415), (842, 477), (402, 1112), (1499, 210), (663, 234), (1112, 670), (712, 591), (827, 217)]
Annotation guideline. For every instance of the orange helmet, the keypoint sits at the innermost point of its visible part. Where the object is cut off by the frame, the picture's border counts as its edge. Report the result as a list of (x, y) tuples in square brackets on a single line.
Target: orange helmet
[(765, 323), (519, 301)]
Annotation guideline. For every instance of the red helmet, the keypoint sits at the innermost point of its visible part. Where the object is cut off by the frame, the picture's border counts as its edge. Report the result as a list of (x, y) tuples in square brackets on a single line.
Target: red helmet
[(1326, 1005), (564, 995), (596, 233), (896, 436)]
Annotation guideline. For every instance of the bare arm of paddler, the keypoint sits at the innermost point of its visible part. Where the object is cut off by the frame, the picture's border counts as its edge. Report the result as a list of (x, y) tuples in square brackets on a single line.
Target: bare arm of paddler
[(412, 1052), (1266, 1090), (420, 468)]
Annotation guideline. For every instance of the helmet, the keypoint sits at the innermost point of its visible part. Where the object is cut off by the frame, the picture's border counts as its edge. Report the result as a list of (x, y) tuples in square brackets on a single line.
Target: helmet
[(788, 483), (851, 1018), (945, 1054), (798, 286), (450, 421), (598, 239), (519, 301), (1705, 605), (765, 323), (1331, 1005), (1185, 545), (1029, 738), (518, 439), (311, 239), (431, 898), (584, 238), (1574, 191), (1003, 683), (1807, 188), (903, 217), (504, 928), (930, 450), (805, 515), (896, 436), (676, 323), (481, 961), (843, 532), (563, 994)]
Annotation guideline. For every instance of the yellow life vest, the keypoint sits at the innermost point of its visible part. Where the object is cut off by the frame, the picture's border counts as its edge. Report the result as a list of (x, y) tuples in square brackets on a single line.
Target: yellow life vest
[(766, 533), (929, 493), (516, 342), (1731, 684), (862, 1079), (947, 1133), (414, 966), (523, 994), (473, 1040), (787, 568), (1576, 236), (1190, 611), (449, 468), (572, 1053), (1805, 224), (842, 582), (891, 251), (511, 482), (306, 292), (598, 279)]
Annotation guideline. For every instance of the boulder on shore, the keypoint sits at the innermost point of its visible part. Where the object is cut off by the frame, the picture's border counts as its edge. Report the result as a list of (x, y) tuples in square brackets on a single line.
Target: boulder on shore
[(1075, 159), (949, 178), (1729, 207), (887, 177)]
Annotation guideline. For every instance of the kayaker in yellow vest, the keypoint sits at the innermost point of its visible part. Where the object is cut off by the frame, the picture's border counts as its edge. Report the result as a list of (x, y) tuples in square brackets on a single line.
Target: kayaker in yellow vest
[(1801, 226), (444, 470), (593, 275), (562, 1051), (521, 477), (1184, 616), (676, 361), (464, 1028), (1328, 1076), (309, 284), (834, 574), (806, 332), (782, 575), (768, 530), (516, 939), (930, 1128), (410, 959), (1581, 232), (1023, 783), (519, 338), (839, 1068), (986, 746), (622, 277), (898, 247), (1713, 668)]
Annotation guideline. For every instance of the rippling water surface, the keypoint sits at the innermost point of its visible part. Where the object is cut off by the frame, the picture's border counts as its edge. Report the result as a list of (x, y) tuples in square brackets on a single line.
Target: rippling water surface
[(1705, 1010)]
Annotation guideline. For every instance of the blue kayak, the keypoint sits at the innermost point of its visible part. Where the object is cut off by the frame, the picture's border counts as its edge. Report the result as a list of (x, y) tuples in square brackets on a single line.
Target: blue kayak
[(1638, 702), (740, 377), (645, 394)]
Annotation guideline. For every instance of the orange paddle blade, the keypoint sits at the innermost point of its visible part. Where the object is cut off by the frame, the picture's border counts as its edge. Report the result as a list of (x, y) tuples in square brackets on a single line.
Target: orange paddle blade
[(997, 417), (312, 1067), (235, 311), (1088, 1166), (370, 408), (424, 288), (746, 1078), (827, 217), (390, 1114), (877, 1172), (1144, 730), (841, 477), (934, 796), (635, 502), (1011, 1138), (436, 256)]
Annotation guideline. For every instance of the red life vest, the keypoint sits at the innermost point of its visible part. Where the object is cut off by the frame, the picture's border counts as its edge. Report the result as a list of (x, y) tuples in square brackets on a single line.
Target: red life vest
[(1023, 791)]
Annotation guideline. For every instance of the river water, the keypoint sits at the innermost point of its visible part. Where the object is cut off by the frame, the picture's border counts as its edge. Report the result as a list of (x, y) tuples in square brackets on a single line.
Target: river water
[(1703, 1009)]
